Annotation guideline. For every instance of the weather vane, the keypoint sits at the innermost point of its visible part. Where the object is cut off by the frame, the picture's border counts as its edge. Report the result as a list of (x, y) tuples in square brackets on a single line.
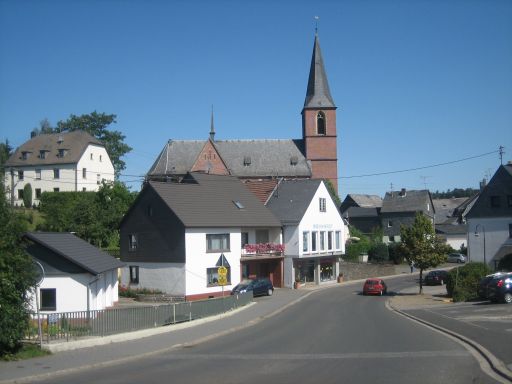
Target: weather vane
[(316, 23)]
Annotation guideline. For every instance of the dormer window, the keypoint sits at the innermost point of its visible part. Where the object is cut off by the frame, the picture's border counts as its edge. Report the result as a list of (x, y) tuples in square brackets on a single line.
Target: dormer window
[(247, 161), (294, 160), (25, 155), (62, 152), (320, 123), (42, 154)]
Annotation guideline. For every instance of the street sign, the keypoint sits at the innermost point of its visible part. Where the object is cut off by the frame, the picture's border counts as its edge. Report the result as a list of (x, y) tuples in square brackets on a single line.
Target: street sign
[(222, 273)]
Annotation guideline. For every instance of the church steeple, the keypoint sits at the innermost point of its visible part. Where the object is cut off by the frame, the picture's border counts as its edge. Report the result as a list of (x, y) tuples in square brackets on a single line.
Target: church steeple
[(319, 122), (212, 128), (318, 94)]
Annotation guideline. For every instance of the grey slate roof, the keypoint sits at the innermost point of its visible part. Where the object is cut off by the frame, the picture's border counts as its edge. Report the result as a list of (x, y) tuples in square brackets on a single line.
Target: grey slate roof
[(318, 94), (449, 229), (76, 250), (208, 201), (353, 212), (74, 142), (412, 201), (267, 157), (367, 201), (291, 199), (448, 209), (500, 186)]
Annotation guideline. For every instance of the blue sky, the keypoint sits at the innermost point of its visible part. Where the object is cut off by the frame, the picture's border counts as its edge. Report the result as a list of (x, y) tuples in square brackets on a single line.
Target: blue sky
[(416, 83)]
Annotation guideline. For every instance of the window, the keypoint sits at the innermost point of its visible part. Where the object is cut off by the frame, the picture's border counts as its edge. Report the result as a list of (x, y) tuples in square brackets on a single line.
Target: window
[(212, 276), (21, 175), (132, 242), (42, 154), (38, 174), (134, 274), (101, 158), (84, 189), (313, 241), (390, 223), (48, 299), (391, 239), (305, 245), (25, 155), (56, 189), (92, 156), (262, 236), (84, 173), (495, 201), (56, 173), (98, 179), (322, 204), (320, 123), (150, 211), (38, 193), (322, 240), (20, 194), (238, 204), (62, 152), (337, 239), (329, 240), (245, 238), (217, 242)]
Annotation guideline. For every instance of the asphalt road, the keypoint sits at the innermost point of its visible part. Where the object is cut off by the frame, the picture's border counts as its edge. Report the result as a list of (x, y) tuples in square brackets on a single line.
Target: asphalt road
[(335, 335)]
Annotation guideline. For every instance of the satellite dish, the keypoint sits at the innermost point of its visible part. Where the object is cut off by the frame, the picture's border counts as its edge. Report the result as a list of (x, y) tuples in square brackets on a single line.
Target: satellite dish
[(39, 273)]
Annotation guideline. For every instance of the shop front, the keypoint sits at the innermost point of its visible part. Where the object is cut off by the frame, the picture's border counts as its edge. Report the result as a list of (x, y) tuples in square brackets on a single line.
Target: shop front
[(315, 270), (262, 266)]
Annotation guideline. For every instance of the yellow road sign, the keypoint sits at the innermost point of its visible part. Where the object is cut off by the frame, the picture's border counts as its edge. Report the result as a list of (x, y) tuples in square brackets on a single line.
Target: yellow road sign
[(222, 271), (222, 280)]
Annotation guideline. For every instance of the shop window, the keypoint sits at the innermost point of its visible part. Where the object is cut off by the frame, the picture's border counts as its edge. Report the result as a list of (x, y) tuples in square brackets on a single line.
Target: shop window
[(48, 299)]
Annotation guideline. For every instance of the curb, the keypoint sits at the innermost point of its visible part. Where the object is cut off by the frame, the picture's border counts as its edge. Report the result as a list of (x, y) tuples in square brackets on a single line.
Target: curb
[(495, 364)]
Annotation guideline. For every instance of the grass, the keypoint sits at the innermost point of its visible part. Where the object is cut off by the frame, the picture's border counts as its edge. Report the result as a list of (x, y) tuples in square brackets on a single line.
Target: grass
[(27, 351)]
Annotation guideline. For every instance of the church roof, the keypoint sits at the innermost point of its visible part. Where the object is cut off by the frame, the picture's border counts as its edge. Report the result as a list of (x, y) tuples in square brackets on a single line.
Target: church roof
[(318, 94), (243, 158)]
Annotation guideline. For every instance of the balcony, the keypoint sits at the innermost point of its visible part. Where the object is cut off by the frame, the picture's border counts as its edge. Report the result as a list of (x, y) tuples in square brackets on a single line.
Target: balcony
[(263, 250)]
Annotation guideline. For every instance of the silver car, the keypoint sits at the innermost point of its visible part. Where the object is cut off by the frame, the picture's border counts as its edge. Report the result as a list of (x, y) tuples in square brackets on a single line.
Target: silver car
[(456, 258)]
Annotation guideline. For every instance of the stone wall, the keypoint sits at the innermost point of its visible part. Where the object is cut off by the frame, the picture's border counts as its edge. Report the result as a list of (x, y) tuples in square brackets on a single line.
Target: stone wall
[(357, 271)]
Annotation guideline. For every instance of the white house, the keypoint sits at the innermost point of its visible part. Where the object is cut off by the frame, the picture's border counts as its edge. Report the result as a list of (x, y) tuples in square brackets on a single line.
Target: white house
[(176, 235), (490, 220), (314, 232), (68, 161), (77, 275)]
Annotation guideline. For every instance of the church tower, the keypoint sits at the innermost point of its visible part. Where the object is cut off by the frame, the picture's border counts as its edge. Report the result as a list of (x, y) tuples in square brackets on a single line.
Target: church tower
[(319, 122)]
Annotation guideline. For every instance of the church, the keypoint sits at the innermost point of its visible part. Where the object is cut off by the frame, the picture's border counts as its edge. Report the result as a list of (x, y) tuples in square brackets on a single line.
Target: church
[(260, 164)]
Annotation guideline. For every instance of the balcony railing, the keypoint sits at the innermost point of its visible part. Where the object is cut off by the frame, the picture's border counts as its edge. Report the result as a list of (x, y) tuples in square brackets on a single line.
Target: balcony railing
[(263, 249)]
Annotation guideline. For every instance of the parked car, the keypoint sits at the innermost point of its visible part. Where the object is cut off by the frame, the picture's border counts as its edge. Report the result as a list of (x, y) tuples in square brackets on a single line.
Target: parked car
[(456, 258), (500, 289), (258, 287), (437, 277), (375, 287), (483, 285)]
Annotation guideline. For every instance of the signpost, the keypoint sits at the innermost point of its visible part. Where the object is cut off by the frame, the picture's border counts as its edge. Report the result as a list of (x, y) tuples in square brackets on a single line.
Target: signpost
[(222, 273)]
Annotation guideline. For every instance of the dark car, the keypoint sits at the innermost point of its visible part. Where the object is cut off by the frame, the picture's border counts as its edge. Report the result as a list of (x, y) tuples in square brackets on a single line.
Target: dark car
[(500, 289), (483, 285), (375, 287), (258, 287), (437, 277)]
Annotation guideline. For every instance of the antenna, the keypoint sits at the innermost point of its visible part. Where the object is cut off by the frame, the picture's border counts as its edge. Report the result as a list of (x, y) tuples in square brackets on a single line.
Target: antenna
[(424, 178)]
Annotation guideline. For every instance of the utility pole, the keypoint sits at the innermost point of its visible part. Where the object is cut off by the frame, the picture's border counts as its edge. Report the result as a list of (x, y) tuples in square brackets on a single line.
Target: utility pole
[(501, 152)]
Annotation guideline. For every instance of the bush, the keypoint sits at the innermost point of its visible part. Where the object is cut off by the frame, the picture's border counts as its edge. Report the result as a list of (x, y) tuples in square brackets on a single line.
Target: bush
[(378, 252), (27, 195), (395, 254), (462, 282)]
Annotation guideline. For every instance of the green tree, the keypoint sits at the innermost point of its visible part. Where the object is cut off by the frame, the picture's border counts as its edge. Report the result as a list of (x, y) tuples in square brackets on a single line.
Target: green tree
[(96, 124), (5, 152), (332, 191), (27, 195), (421, 246), (17, 278)]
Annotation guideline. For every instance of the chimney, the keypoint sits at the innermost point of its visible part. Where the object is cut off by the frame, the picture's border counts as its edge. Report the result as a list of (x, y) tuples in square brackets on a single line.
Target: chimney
[(403, 192), (33, 134), (483, 183)]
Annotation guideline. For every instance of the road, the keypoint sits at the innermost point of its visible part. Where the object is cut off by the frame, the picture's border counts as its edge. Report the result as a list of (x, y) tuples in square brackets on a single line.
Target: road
[(334, 335)]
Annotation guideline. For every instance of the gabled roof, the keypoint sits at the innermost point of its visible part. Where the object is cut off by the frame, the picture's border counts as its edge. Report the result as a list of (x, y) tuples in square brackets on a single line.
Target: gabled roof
[(291, 199), (203, 200), (318, 94), (448, 229), (74, 143), (498, 188), (407, 201), (367, 201), (75, 250), (244, 158), (448, 209)]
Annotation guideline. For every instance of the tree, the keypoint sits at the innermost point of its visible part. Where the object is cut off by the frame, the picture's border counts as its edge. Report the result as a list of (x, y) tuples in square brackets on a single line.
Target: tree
[(96, 124), (27, 195), (5, 152), (17, 278), (421, 246), (332, 191)]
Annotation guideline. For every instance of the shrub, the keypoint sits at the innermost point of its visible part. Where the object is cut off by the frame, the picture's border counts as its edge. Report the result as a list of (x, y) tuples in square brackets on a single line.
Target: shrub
[(395, 254), (378, 252), (462, 282)]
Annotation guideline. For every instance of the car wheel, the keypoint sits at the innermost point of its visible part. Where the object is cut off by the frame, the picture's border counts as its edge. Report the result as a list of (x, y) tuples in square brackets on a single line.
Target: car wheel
[(458, 261), (270, 292), (442, 282), (507, 298)]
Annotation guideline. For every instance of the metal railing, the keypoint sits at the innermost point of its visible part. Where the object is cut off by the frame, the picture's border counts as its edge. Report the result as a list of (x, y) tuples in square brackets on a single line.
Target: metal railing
[(73, 325)]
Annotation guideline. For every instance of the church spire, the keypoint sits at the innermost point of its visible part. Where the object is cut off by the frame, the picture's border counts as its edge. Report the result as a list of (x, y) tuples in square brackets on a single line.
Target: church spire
[(212, 128), (318, 94)]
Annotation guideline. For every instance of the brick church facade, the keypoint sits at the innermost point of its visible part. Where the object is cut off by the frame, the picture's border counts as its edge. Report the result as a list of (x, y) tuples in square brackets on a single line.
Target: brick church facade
[(261, 163)]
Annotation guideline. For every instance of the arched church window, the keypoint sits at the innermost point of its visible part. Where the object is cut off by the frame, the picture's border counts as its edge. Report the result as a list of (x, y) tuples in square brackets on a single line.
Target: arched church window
[(320, 123)]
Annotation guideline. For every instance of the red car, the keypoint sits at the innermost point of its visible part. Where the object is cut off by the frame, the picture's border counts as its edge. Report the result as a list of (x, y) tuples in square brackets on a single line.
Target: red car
[(375, 287)]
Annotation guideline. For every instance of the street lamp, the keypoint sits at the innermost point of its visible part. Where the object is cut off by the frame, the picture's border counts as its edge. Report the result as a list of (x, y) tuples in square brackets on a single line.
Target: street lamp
[(477, 234)]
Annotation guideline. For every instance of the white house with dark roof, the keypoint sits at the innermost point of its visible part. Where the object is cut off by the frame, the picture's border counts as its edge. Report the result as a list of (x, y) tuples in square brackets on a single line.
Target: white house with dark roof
[(57, 162), (176, 235), (490, 220), (314, 232), (77, 275)]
